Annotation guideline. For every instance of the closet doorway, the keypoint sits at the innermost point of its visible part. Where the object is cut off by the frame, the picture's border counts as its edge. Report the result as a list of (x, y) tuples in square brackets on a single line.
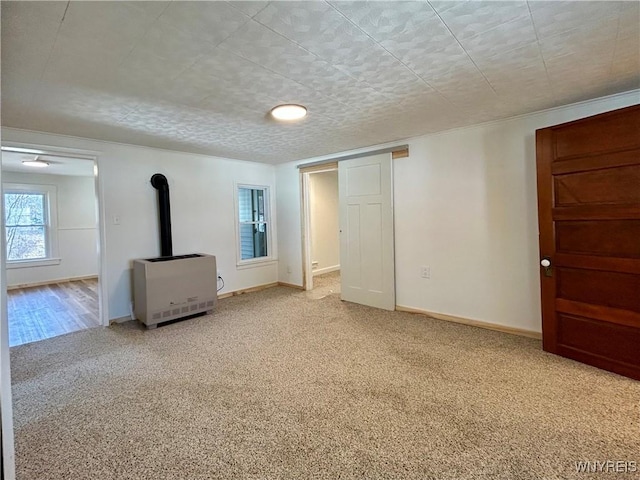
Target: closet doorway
[(322, 228)]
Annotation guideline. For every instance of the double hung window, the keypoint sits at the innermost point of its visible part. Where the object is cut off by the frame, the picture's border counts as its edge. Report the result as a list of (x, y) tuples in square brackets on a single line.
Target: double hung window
[(30, 224), (253, 223)]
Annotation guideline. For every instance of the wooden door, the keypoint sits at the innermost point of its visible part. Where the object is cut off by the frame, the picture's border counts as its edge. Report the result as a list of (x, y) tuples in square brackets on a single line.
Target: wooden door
[(365, 187), (589, 219)]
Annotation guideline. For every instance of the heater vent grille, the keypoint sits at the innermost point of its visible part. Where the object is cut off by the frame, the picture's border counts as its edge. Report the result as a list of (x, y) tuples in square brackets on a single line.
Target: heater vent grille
[(184, 310)]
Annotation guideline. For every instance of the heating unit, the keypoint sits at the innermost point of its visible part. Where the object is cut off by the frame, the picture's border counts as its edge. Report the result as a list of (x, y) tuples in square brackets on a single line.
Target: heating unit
[(171, 287)]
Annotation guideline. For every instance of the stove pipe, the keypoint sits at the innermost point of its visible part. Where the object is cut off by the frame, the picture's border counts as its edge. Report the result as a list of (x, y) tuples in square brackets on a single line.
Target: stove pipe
[(161, 184)]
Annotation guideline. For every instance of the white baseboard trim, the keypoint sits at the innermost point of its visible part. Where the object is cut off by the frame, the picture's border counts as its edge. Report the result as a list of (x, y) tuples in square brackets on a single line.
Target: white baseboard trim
[(51, 282), (320, 271), (242, 291), (474, 323), (290, 285), (222, 296), (120, 320)]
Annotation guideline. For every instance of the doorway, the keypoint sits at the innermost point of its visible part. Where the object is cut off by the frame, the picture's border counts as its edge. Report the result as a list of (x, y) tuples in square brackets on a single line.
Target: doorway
[(322, 229), (52, 239), (365, 226)]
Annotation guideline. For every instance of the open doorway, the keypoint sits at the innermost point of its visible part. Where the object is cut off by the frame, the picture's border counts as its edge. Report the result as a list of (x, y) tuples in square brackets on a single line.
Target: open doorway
[(366, 233), (50, 209), (322, 229)]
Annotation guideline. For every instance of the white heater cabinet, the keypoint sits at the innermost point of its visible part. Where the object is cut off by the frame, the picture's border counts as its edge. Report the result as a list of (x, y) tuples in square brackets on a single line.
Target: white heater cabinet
[(168, 288)]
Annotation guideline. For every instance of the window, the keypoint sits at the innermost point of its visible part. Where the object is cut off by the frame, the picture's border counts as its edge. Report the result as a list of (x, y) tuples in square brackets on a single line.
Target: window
[(253, 223), (30, 223)]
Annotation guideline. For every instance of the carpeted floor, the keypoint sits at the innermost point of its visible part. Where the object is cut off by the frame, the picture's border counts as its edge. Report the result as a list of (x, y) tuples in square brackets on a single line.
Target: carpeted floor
[(280, 385), (324, 285)]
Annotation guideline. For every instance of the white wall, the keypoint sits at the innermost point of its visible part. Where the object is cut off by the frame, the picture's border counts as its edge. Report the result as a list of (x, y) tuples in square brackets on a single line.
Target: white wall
[(324, 216), (288, 208), (202, 208), (77, 229), (465, 205)]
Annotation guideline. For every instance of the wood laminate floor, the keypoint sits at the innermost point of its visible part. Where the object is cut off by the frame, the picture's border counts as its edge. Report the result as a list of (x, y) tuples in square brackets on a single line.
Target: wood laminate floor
[(46, 311)]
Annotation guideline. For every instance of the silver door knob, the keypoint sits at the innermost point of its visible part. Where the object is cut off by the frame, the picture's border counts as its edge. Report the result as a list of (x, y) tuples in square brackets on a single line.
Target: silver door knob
[(545, 262)]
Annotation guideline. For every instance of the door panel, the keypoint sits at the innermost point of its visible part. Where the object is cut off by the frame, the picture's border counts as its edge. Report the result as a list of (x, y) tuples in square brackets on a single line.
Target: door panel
[(611, 185), (351, 261), (599, 237), (589, 219), (597, 135), (611, 289), (363, 180), (366, 231), (585, 334)]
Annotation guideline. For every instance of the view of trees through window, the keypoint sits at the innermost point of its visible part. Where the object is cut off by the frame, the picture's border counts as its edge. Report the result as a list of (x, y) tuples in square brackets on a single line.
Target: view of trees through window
[(25, 221), (253, 222)]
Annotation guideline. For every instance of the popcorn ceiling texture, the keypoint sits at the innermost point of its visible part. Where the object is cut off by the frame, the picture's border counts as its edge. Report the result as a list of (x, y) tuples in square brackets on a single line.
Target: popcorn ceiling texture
[(283, 384), (200, 77)]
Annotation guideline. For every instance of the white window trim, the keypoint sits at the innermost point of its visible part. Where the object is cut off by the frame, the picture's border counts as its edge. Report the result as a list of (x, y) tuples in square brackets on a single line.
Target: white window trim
[(50, 191), (271, 250)]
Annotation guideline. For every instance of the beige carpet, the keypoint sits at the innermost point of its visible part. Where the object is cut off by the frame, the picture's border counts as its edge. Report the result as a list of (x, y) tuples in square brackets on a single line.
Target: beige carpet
[(278, 385), (324, 285)]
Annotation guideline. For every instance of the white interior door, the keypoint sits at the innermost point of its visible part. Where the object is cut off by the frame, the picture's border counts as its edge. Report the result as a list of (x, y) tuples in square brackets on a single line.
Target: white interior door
[(366, 231)]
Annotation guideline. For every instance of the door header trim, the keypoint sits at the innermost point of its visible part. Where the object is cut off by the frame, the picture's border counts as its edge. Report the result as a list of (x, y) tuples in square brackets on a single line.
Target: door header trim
[(356, 155)]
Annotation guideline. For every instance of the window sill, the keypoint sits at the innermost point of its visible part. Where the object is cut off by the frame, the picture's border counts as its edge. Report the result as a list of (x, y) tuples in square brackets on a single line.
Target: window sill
[(44, 262), (258, 262)]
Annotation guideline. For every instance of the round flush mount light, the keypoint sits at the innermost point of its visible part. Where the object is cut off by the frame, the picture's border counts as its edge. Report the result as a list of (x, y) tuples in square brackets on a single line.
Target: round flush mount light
[(36, 162), (289, 112)]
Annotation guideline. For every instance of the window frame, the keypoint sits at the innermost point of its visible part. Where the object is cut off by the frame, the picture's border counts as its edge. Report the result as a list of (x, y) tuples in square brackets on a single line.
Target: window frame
[(51, 223), (268, 213)]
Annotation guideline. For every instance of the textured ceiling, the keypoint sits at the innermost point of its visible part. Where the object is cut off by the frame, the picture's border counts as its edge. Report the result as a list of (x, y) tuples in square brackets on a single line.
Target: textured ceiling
[(201, 76)]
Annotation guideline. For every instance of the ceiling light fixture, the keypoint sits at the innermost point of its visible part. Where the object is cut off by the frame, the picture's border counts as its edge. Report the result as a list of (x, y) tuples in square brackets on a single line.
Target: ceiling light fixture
[(289, 112), (36, 162), (22, 150)]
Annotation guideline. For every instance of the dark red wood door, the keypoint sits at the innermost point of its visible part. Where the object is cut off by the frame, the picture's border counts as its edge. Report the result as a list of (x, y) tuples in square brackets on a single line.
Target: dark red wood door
[(589, 219)]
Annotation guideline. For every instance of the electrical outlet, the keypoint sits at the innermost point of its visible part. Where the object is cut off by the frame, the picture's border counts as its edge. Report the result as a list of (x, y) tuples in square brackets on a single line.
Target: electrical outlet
[(288, 268), (116, 219), (425, 271), (219, 273)]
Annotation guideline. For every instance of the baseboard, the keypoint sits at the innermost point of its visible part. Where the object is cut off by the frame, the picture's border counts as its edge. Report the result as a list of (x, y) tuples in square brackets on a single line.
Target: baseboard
[(221, 296), (291, 285), (51, 282), (120, 320), (474, 323), (247, 290), (320, 271)]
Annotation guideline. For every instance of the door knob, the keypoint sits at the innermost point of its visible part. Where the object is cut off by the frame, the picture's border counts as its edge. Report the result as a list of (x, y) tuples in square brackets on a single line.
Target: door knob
[(546, 264)]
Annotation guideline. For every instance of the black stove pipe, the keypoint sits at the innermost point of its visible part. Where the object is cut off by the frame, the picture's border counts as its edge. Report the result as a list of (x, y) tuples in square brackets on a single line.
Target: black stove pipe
[(161, 184)]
